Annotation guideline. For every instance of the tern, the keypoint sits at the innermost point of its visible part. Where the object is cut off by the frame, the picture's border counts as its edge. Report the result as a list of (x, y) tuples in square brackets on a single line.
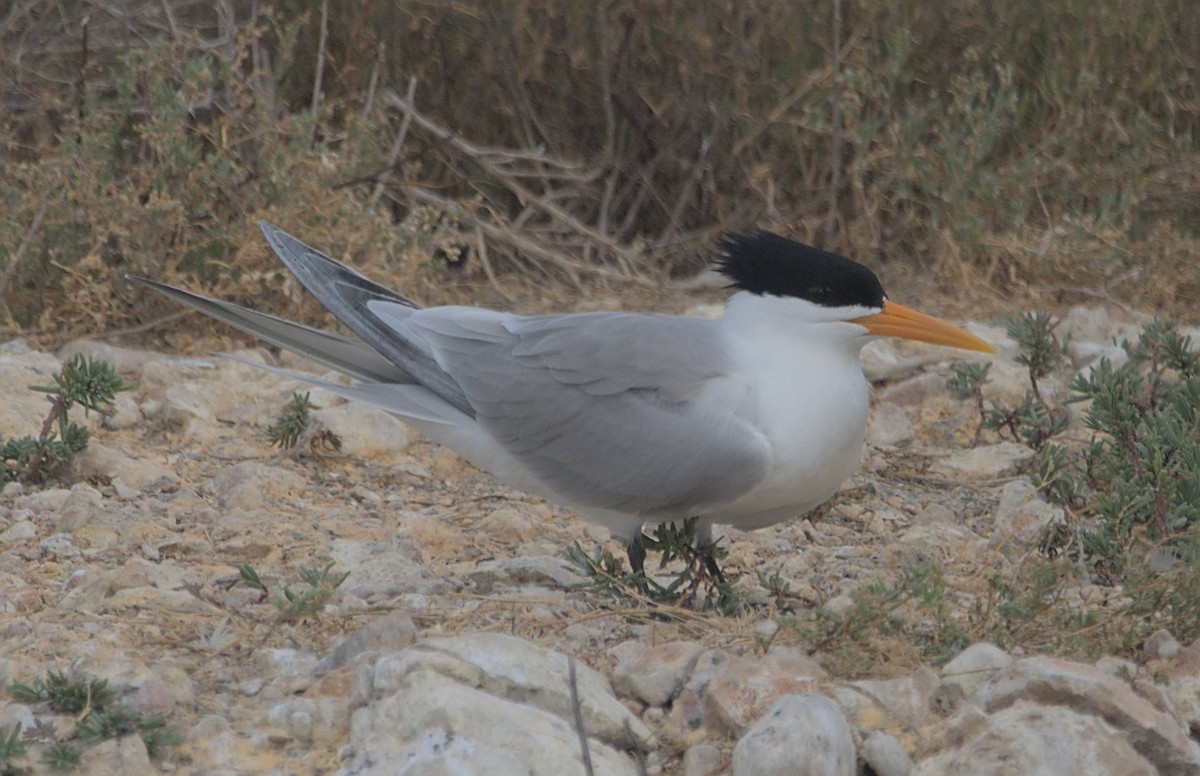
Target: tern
[(630, 419)]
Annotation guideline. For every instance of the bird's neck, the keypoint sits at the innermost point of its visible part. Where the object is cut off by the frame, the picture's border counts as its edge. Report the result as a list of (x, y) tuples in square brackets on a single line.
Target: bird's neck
[(783, 327)]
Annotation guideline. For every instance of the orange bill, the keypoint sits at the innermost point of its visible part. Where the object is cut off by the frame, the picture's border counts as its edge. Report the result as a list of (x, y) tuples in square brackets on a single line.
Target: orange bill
[(896, 320)]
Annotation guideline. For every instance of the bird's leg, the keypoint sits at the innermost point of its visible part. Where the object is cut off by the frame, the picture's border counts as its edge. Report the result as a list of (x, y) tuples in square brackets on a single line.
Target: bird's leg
[(637, 553), (710, 563), (706, 550)]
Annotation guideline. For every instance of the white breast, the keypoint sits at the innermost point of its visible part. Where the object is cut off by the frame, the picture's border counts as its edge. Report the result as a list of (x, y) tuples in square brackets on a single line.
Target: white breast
[(807, 394)]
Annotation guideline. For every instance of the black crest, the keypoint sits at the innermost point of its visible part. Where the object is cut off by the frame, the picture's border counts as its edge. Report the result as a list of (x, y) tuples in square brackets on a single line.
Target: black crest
[(765, 263)]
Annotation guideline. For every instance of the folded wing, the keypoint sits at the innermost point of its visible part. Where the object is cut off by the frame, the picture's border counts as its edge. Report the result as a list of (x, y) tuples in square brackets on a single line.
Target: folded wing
[(589, 403)]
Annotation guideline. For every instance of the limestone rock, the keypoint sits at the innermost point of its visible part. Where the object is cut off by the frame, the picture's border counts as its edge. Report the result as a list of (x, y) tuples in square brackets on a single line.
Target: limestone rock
[(986, 462), (973, 666), (745, 688), (488, 703), (889, 426), (655, 674), (800, 735), (365, 431), (885, 755), (250, 485)]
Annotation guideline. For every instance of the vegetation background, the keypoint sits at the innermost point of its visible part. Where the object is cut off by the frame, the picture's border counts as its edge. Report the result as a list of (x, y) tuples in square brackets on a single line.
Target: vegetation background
[(540, 152)]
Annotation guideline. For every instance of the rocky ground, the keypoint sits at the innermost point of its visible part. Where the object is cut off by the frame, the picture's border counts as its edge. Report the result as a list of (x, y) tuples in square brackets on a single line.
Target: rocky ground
[(450, 647)]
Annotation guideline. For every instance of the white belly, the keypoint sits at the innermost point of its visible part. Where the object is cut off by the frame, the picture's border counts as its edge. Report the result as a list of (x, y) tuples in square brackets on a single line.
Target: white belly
[(816, 430)]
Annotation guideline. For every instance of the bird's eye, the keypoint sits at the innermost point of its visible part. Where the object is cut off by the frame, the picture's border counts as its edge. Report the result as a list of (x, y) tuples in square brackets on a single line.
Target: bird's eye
[(817, 292)]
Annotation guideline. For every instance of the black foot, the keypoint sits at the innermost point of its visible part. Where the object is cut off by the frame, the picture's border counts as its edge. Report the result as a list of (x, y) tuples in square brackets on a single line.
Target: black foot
[(637, 553), (710, 562)]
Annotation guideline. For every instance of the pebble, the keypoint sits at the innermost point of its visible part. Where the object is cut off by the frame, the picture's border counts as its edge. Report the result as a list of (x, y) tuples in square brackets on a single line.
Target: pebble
[(799, 735)]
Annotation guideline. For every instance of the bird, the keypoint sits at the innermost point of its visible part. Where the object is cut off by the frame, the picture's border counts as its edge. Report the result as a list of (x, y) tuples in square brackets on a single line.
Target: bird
[(630, 419)]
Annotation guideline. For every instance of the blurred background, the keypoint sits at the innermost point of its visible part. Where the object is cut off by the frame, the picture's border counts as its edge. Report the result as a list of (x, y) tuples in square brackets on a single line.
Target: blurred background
[(562, 154)]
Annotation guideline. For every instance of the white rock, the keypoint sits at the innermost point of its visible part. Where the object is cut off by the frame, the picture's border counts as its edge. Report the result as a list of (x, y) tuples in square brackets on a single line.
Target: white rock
[(889, 426), (915, 390), (539, 571), (126, 413), (117, 757), (23, 411), (125, 360), (58, 546), (885, 755), (1153, 734), (936, 514), (381, 570), (1034, 740), (322, 721), (1161, 644), (885, 359), (655, 674), (284, 662), (250, 485), (211, 743), (1086, 324), (702, 760), (365, 431), (392, 631), (800, 735), (153, 599), (1086, 356), (984, 463), (98, 461), (48, 500), (743, 688), (903, 700), (973, 666), (16, 714), (1022, 514), (18, 532), (81, 505), (488, 703)]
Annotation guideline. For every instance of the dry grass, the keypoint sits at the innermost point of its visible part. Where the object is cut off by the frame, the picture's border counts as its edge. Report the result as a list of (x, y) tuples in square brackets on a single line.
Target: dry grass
[(522, 154)]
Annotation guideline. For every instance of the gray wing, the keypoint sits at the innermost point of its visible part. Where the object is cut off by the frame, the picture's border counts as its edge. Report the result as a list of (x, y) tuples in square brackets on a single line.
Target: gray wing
[(601, 408), (348, 356), (346, 293)]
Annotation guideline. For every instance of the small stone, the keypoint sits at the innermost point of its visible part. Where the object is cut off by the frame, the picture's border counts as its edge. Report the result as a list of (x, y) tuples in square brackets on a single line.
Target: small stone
[(151, 598), (974, 665), (365, 431), (19, 532), (100, 462), (915, 390), (744, 688), (987, 462), (655, 674), (1161, 644), (905, 699), (383, 570), (537, 571), (118, 757), (885, 755), (58, 546), (212, 743), (936, 514), (81, 505), (16, 714), (1021, 515), (249, 485), (800, 735), (154, 696), (702, 760), (889, 426), (388, 633)]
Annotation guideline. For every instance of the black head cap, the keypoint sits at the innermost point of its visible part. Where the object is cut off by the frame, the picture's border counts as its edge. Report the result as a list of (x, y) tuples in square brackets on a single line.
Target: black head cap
[(765, 263)]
